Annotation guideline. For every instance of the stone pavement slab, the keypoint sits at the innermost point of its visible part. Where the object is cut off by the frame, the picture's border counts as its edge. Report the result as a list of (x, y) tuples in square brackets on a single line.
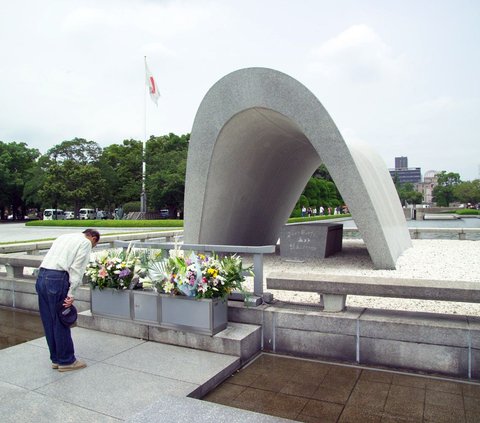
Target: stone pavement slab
[(113, 390), (187, 365), (169, 409), (27, 366), (123, 377), (95, 345), (33, 407)]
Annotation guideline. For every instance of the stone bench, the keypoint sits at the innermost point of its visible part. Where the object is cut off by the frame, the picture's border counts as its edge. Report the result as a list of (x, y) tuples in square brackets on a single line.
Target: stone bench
[(335, 288), (310, 240), (256, 251), (15, 264), (17, 287)]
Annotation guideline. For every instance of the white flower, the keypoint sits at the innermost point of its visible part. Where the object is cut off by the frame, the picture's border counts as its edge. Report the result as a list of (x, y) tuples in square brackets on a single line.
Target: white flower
[(176, 253)]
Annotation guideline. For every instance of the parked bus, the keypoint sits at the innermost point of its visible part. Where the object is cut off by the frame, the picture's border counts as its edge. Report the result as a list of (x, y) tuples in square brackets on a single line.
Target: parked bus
[(87, 214), (53, 214)]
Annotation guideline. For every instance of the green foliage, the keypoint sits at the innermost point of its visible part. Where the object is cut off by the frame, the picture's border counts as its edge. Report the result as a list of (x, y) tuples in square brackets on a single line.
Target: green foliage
[(121, 166), (467, 192), (167, 164), (468, 212), (408, 194), (302, 202), (77, 150), (166, 159), (17, 164), (443, 193), (132, 206), (319, 191), (72, 176)]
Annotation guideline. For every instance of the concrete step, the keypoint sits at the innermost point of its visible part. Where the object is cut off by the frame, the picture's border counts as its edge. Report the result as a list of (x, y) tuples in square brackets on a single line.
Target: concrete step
[(238, 339)]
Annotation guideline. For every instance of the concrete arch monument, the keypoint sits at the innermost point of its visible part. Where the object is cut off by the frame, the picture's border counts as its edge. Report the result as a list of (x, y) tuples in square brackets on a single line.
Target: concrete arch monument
[(257, 138)]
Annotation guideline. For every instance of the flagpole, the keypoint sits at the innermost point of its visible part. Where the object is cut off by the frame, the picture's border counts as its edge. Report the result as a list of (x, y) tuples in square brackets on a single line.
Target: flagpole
[(143, 196)]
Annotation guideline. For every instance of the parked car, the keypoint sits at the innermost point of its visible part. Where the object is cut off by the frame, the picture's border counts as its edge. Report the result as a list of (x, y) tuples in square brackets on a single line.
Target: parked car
[(164, 214), (69, 215), (53, 214), (87, 214)]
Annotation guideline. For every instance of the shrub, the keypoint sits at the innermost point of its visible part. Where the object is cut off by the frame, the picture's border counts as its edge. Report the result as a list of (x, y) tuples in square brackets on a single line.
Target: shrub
[(132, 206), (468, 212)]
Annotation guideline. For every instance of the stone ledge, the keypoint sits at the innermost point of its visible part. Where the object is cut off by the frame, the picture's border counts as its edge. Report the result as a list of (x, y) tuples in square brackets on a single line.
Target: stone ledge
[(238, 339), (389, 338), (425, 328), (424, 289)]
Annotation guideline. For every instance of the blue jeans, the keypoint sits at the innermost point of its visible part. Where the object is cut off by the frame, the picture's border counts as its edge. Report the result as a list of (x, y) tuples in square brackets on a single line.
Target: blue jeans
[(52, 288)]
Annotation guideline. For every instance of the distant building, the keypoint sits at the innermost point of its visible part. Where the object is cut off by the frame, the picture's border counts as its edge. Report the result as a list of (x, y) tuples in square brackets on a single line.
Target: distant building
[(401, 162), (426, 187), (403, 174)]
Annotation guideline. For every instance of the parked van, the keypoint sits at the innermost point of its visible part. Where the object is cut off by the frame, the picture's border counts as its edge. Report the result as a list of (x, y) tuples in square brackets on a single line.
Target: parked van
[(87, 214), (53, 214)]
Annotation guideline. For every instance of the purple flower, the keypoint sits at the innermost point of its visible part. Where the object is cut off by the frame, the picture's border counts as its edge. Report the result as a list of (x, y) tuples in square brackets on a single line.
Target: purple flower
[(124, 273)]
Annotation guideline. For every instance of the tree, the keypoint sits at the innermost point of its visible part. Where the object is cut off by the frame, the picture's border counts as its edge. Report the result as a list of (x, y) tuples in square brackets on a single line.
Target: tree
[(121, 167), (35, 181), (443, 193), (408, 194), (323, 173), (166, 170), (468, 192), (16, 163), (72, 175), (319, 192)]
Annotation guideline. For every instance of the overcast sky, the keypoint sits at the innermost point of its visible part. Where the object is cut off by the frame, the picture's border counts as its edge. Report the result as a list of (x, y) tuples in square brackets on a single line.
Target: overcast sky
[(399, 75)]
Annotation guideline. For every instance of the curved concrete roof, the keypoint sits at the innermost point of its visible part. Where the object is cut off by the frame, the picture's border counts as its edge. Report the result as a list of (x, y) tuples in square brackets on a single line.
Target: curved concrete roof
[(257, 138)]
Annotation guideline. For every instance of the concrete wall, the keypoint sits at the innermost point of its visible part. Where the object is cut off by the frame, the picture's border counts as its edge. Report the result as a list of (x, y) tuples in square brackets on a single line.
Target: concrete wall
[(424, 342), (21, 294)]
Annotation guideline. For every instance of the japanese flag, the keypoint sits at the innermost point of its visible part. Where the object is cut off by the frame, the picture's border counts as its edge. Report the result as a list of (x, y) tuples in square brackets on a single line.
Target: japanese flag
[(151, 84)]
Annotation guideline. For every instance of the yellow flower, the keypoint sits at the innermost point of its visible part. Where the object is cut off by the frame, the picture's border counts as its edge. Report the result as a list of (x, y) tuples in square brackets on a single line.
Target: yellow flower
[(213, 272)]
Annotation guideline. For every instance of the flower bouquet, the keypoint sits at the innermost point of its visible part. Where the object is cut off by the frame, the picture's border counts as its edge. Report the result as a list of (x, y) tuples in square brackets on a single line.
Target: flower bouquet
[(198, 275), (121, 269)]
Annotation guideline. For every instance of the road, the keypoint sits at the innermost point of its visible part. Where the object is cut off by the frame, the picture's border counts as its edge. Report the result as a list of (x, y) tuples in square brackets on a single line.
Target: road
[(10, 232)]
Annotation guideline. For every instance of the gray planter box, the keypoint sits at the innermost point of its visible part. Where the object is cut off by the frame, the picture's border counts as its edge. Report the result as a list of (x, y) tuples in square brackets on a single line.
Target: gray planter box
[(110, 302), (205, 316), (145, 306)]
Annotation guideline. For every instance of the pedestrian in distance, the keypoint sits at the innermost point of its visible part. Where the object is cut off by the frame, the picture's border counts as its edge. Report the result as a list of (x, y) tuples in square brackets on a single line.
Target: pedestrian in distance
[(60, 274)]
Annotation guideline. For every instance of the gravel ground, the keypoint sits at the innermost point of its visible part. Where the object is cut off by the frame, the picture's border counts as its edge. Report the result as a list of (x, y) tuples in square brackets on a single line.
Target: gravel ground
[(427, 259)]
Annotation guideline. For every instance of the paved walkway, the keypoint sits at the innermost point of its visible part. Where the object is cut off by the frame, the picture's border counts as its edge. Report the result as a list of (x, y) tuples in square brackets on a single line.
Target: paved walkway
[(312, 391), (124, 377), (136, 381)]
